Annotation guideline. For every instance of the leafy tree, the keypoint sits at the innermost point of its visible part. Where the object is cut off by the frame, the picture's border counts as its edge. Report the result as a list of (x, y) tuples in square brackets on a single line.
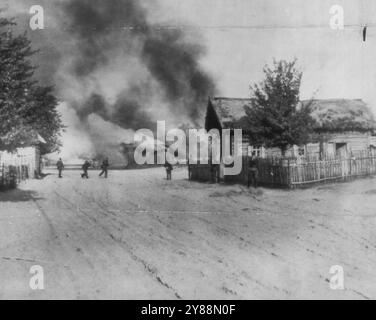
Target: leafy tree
[(25, 107), (276, 118)]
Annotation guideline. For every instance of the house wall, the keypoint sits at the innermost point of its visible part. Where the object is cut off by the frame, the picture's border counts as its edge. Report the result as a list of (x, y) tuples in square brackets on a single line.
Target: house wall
[(373, 141), (245, 144), (356, 142)]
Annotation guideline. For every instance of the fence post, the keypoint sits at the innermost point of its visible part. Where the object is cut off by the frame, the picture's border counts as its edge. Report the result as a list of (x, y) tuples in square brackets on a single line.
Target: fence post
[(3, 175), (350, 167)]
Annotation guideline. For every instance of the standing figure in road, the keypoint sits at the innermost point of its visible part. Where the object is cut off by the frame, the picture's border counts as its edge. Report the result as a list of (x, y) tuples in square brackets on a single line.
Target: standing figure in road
[(253, 171), (60, 167), (85, 167), (104, 168), (168, 168)]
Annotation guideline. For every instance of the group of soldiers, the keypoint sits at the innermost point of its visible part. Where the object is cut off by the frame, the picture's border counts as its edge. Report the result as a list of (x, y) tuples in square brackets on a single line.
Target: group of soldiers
[(252, 170), (104, 167), (85, 167)]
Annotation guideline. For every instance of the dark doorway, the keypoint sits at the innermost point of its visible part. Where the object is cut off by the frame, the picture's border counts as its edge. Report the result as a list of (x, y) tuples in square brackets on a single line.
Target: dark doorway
[(341, 149)]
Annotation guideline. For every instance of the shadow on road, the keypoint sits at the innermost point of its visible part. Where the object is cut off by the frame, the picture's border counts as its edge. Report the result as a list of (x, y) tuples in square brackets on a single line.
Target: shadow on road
[(43, 175), (17, 195)]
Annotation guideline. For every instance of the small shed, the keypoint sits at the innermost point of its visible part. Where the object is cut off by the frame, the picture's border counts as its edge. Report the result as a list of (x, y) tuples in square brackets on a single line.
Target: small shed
[(28, 156)]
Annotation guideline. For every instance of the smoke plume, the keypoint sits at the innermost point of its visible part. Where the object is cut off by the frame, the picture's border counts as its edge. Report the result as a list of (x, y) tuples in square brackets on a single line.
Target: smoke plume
[(119, 69)]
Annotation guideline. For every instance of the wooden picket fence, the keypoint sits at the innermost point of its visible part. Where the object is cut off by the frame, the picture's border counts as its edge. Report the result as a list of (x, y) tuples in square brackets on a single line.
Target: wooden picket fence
[(329, 170), (293, 172)]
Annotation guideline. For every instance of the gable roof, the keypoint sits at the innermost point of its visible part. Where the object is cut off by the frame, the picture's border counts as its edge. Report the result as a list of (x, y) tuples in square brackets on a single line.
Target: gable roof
[(330, 114)]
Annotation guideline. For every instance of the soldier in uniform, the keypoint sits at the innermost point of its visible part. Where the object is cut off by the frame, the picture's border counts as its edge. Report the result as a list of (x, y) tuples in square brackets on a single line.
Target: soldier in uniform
[(168, 168), (60, 167), (104, 168), (253, 171), (85, 168)]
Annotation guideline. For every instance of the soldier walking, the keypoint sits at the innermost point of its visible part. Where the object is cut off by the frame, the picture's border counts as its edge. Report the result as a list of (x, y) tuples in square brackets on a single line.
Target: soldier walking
[(85, 168), (60, 167), (104, 168)]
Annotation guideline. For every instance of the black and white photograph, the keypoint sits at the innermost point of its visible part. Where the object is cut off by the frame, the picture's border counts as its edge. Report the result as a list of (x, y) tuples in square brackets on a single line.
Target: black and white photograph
[(220, 150)]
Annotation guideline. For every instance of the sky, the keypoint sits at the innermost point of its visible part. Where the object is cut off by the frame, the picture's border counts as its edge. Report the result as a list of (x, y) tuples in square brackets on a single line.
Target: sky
[(243, 36), (238, 38), (335, 63)]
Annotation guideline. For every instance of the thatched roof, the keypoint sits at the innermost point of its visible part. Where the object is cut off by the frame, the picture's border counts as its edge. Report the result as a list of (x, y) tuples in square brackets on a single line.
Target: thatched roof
[(330, 114), (342, 115), (229, 110)]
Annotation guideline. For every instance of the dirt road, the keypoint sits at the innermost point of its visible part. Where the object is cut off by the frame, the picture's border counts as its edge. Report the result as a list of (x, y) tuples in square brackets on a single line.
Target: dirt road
[(136, 235)]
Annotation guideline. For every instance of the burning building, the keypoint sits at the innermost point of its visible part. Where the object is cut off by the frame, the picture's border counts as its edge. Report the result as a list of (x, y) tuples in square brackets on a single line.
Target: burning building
[(117, 73)]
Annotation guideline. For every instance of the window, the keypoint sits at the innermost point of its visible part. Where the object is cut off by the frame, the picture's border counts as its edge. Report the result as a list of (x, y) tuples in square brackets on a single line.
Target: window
[(258, 151)]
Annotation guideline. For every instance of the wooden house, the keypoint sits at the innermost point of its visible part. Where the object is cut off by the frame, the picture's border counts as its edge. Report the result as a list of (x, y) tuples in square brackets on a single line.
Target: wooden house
[(340, 149), (344, 127), (224, 113)]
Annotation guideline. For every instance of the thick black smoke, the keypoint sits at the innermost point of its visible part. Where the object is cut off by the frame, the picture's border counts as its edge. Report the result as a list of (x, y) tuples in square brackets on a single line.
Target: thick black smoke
[(125, 112), (175, 65), (103, 29), (100, 27)]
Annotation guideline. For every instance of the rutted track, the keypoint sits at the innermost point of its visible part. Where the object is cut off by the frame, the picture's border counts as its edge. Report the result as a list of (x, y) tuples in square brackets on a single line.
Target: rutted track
[(109, 226), (136, 235)]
